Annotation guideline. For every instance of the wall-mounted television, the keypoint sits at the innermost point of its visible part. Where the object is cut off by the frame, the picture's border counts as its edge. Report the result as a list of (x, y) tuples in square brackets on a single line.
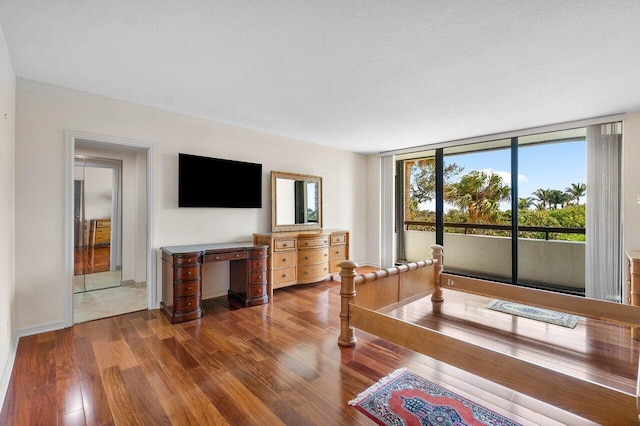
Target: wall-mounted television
[(216, 182)]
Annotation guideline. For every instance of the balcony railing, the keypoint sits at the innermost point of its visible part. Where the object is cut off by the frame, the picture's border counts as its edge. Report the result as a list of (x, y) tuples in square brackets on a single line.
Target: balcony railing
[(548, 262), (490, 226)]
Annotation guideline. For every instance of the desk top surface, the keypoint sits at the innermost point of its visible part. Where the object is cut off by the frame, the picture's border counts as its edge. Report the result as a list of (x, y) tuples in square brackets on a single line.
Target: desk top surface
[(208, 247)]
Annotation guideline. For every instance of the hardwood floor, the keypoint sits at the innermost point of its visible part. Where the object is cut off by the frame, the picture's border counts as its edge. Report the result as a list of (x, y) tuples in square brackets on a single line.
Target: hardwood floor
[(87, 260), (272, 364)]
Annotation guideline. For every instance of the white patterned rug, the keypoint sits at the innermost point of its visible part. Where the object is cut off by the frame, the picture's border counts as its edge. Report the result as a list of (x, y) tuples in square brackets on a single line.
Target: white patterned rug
[(538, 314)]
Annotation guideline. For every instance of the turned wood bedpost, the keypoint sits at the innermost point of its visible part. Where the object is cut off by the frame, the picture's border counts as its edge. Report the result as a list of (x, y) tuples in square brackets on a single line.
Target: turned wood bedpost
[(436, 254), (347, 293)]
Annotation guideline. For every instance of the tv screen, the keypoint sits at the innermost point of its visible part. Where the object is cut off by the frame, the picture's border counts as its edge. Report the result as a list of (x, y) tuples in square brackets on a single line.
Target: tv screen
[(215, 182)]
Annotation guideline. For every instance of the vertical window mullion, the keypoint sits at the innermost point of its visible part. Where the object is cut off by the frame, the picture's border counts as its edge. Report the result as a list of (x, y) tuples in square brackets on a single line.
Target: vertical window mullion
[(514, 210), (440, 196)]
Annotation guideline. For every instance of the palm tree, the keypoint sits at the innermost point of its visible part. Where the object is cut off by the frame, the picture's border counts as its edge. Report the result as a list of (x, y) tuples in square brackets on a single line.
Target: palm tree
[(576, 190), (479, 194), (542, 196), (526, 203), (558, 197)]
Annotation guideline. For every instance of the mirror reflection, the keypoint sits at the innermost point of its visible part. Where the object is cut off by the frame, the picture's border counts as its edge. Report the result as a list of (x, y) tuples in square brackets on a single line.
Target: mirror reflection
[(296, 201)]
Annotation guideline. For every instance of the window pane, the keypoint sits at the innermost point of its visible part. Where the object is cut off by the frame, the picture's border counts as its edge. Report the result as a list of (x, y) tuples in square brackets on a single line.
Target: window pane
[(477, 210), (551, 210), (419, 207)]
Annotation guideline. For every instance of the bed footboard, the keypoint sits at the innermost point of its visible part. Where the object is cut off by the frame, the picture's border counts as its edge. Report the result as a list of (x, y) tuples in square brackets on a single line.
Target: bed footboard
[(387, 289)]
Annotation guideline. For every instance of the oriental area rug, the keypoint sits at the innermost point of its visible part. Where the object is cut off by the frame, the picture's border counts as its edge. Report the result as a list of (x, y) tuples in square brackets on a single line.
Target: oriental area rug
[(538, 314), (404, 398)]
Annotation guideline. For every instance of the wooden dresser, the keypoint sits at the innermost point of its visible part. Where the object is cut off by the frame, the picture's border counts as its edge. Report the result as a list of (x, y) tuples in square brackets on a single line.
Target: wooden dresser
[(100, 232), (300, 257), (633, 283)]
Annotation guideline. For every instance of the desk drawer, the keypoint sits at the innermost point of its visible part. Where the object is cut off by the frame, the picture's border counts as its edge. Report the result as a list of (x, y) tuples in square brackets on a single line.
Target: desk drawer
[(185, 260), (283, 259), (256, 291), (284, 275), (310, 257), (186, 273), (285, 244), (187, 288), (257, 277), (187, 304), (313, 242), (257, 264), (219, 257)]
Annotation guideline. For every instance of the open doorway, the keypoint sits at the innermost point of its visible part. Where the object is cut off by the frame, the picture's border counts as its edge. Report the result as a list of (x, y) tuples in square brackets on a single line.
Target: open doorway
[(109, 244)]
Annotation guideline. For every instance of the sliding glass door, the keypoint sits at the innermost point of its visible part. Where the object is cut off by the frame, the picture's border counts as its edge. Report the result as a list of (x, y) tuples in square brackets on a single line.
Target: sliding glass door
[(517, 210)]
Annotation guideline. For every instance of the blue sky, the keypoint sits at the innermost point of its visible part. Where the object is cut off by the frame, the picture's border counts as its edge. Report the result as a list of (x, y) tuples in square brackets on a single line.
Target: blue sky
[(546, 166)]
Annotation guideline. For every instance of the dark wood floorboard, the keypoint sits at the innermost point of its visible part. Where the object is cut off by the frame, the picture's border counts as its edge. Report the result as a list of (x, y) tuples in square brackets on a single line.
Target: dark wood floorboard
[(267, 365), (88, 260)]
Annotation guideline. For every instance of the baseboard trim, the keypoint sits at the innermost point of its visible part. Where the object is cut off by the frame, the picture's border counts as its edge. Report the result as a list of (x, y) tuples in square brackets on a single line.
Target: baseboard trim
[(8, 369), (43, 328)]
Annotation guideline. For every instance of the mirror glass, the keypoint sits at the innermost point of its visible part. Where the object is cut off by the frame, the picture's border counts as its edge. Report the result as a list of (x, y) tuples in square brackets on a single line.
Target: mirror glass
[(296, 201)]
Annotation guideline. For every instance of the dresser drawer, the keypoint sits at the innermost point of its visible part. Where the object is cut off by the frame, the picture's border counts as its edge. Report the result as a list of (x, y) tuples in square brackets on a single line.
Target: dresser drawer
[(284, 275), (257, 277), (287, 244), (283, 259), (313, 242), (187, 288), (310, 257), (336, 252), (311, 272), (186, 273), (187, 304), (258, 264), (185, 260), (333, 265), (338, 239)]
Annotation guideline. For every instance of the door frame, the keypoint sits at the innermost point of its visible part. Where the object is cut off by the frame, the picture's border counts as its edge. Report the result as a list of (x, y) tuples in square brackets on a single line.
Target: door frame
[(123, 144)]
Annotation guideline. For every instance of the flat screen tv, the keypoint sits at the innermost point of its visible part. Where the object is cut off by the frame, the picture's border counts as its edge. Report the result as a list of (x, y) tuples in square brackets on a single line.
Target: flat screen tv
[(215, 182)]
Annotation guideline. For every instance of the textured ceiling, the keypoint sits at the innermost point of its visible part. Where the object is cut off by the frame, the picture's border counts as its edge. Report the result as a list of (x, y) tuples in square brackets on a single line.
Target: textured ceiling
[(365, 76)]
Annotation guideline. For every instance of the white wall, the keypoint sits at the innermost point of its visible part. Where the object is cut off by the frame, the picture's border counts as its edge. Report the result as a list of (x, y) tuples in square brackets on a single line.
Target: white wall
[(98, 188), (7, 214), (45, 112)]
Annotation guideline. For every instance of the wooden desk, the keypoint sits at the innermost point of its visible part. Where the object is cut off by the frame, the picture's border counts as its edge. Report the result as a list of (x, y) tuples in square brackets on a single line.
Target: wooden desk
[(182, 276)]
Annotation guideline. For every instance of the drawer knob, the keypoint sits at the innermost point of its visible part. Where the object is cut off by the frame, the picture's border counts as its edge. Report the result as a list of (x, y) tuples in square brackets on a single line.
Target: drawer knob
[(259, 263), (285, 245), (306, 258), (306, 272), (259, 277), (284, 259), (325, 255), (189, 273), (237, 255), (189, 304), (306, 244), (217, 257), (189, 288), (284, 275)]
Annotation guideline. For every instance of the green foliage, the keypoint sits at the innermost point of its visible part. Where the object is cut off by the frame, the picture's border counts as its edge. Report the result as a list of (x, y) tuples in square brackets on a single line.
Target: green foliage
[(477, 196)]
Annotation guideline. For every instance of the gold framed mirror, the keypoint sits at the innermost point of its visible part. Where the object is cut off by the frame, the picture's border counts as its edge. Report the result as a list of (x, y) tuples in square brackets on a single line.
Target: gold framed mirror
[(296, 202)]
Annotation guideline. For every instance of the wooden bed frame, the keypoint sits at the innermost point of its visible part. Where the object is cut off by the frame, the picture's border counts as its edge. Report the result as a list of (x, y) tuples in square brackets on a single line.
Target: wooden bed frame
[(367, 298)]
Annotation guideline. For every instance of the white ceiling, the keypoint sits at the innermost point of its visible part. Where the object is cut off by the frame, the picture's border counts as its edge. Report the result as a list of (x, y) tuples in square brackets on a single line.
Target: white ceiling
[(365, 76)]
